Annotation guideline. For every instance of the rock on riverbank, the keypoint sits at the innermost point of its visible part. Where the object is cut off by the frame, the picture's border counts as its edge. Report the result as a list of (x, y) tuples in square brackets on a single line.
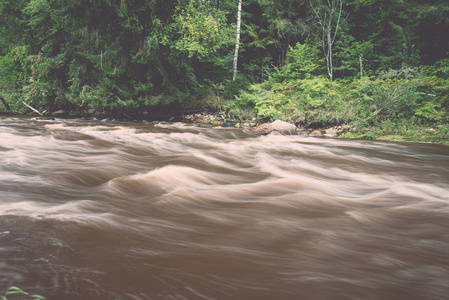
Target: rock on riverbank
[(278, 126)]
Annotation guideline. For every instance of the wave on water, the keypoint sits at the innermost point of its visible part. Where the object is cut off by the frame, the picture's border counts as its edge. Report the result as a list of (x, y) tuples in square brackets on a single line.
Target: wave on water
[(105, 210)]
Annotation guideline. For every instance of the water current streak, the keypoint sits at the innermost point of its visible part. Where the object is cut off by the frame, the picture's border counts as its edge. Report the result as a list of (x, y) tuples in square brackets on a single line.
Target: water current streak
[(107, 210)]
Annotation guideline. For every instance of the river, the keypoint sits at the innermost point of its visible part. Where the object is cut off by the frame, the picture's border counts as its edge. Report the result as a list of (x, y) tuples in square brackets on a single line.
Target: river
[(115, 210)]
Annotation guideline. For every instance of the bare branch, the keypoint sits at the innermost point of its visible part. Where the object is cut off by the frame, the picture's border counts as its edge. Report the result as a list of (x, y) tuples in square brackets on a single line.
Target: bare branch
[(329, 28), (32, 108), (338, 21)]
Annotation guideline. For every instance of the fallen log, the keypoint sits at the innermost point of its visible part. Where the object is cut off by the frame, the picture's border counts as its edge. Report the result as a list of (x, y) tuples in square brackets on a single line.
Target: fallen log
[(32, 108)]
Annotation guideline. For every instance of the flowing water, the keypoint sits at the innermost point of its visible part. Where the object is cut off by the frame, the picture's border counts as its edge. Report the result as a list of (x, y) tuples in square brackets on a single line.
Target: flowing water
[(111, 210)]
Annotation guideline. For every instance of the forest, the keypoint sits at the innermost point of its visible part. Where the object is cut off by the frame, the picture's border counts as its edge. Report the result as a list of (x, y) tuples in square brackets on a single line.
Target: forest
[(380, 67)]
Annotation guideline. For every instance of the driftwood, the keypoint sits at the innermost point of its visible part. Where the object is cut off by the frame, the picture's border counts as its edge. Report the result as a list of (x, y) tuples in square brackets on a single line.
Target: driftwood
[(5, 104), (32, 108)]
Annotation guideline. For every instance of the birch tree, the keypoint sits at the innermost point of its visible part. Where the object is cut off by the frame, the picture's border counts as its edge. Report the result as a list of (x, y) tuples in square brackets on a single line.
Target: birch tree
[(237, 41), (328, 18)]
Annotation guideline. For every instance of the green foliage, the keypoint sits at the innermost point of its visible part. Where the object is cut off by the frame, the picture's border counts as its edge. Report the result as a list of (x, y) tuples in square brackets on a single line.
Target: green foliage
[(297, 92), (27, 77), (127, 55), (399, 105), (201, 31), (12, 290), (434, 86), (441, 68), (430, 111), (369, 102), (39, 13), (320, 101), (267, 104), (313, 101), (303, 62), (232, 89), (354, 58), (402, 131), (11, 25), (15, 69), (39, 90), (393, 94)]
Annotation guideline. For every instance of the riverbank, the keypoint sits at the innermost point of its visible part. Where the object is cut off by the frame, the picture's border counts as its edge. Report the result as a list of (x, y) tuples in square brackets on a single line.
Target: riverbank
[(388, 131), (403, 133)]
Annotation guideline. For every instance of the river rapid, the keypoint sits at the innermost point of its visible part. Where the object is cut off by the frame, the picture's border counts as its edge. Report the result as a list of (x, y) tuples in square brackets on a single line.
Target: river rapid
[(114, 210)]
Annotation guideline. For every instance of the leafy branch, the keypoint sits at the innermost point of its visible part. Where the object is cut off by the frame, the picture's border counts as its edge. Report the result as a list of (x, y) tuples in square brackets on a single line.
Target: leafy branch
[(13, 290)]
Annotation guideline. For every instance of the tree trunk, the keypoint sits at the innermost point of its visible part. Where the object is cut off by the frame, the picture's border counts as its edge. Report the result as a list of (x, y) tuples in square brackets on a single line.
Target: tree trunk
[(329, 26), (361, 66), (330, 69), (5, 104), (237, 41)]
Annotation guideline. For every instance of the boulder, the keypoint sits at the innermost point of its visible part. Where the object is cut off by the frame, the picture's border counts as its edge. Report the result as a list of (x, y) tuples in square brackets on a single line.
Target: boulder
[(278, 126), (316, 132)]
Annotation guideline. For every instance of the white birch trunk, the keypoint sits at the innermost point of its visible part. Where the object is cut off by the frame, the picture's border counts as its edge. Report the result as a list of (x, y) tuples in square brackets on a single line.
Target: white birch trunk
[(237, 41)]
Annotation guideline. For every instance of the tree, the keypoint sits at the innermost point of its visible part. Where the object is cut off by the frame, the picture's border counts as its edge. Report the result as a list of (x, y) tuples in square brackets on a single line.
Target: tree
[(328, 18), (304, 62), (237, 41), (353, 58), (11, 24)]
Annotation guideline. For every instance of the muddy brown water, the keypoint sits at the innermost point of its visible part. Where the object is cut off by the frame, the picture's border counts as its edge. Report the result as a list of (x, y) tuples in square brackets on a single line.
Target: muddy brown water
[(113, 210)]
